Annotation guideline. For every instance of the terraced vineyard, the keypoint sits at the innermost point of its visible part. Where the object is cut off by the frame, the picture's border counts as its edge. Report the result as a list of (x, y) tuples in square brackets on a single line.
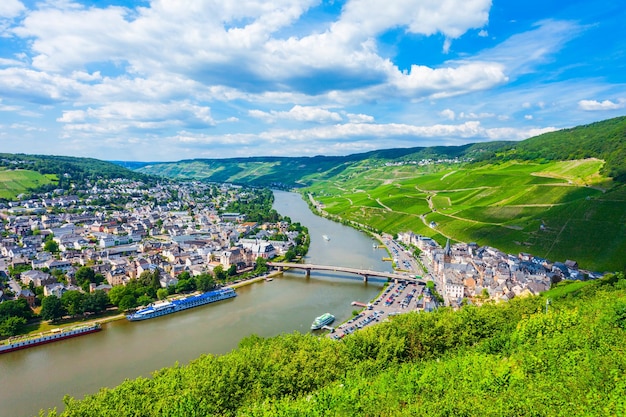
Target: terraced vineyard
[(559, 210)]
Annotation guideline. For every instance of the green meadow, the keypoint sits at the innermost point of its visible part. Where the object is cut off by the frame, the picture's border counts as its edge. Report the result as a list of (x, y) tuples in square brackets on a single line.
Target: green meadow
[(559, 210), (19, 181)]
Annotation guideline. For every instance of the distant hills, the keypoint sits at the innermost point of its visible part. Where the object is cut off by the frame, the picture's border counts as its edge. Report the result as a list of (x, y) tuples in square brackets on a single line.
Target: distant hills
[(23, 174), (605, 140)]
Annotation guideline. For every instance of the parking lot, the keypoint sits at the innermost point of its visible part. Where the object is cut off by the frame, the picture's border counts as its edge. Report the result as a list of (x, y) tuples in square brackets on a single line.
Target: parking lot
[(395, 299), (403, 259)]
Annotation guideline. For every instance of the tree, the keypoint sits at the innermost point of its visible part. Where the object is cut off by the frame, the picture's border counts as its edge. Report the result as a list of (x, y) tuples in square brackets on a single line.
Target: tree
[(220, 275), (12, 325), (74, 302), (185, 285), (290, 255), (84, 273), (51, 246), (144, 300), (205, 282), (127, 302), (156, 279), (96, 302), (18, 308), (232, 270), (51, 308), (117, 293), (261, 265), (162, 293)]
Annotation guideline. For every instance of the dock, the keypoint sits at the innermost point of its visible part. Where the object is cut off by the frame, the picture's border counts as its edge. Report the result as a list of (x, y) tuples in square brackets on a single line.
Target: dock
[(359, 304)]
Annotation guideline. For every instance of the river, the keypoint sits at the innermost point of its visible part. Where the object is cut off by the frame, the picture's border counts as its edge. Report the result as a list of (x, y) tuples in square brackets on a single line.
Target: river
[(39, 377)]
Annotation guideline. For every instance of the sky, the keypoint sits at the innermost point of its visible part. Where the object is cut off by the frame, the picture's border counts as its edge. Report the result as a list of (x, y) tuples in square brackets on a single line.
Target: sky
[(166, 80)]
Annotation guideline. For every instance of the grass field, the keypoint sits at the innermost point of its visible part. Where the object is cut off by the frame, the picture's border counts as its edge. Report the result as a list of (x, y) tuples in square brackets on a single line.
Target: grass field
[(16, 182), (559, 210)]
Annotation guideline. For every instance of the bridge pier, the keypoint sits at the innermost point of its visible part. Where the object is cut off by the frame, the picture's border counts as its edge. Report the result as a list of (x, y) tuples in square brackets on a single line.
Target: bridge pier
[(308, 272), (365, 278)]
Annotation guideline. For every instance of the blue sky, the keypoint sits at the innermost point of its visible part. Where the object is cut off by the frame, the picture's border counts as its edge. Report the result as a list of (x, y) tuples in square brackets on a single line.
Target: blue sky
[(166, 80)]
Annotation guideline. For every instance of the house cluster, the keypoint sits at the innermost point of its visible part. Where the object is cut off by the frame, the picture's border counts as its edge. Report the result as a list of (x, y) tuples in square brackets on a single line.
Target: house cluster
[(466, 270), (429, 161), (185, 233)]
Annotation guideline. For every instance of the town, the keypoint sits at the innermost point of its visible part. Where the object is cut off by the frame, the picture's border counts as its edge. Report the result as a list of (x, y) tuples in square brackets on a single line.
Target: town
[(466, 271), (118, 230)]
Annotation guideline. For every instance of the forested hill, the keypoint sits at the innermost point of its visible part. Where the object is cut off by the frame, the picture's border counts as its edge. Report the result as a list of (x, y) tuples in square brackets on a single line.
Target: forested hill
[(518, 358), (605, 140), (67, 168), (302, 171)]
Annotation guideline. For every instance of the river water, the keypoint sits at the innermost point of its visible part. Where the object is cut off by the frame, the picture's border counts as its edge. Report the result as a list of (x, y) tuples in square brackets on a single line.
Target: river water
[(39, 377)]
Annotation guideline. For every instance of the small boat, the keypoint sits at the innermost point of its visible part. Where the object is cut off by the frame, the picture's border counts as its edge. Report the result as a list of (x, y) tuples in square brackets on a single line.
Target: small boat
[(374, 245), (326, 237), (322, 321), (268, 279)]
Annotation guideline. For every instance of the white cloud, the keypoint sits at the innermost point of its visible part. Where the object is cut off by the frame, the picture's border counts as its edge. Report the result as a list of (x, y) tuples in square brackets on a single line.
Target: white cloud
[(27, 128), (366, 131), (4, 107), (508, 133), (298, 113), (593, 105), (483, 33), (451, 18), (11, 8), (123, 116), (359, 118), (528, 116), (451, 81), (216, 51), (85, 76), (474, 116), (10, 62), (524, 52), (448, 114)]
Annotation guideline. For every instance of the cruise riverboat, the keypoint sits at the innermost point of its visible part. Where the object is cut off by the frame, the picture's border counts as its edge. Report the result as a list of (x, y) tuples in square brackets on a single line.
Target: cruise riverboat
[(166, 307), (17, 343), (322, 321)]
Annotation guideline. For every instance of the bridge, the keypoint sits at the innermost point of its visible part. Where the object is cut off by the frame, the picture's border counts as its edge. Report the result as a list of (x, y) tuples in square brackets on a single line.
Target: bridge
[(365, 273)]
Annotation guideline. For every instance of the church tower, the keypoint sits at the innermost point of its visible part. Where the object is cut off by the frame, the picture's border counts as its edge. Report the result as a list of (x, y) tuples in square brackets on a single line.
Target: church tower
[(447, 253)]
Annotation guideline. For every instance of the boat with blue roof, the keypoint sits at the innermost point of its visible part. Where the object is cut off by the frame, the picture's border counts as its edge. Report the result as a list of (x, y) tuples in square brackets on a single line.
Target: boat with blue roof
[(163, 308)]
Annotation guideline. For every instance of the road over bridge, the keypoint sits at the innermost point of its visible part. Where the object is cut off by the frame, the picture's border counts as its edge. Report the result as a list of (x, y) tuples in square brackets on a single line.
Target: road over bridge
[(365, 273)]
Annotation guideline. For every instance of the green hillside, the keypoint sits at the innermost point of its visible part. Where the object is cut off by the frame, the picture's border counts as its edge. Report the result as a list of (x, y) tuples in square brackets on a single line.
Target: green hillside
[(605, 140), (558, 210), (510, 359), (17, 181)]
